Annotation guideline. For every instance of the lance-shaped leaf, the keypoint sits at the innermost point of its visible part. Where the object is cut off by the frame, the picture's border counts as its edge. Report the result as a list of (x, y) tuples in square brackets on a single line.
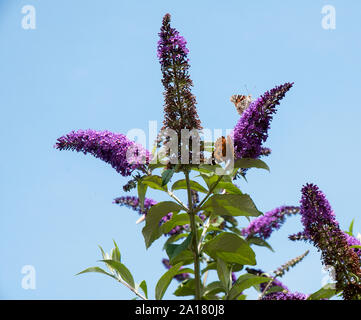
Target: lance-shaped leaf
[(224, 274), (165, 280), (143, 286), (259, 242), (142, 190), (166, 176), (154, 182), (182, 184), (173, 250), (174, 238), (229, 187), (231, 249), (231, 205), (185, 256), (326, 292), (214, 288), (122, 271), (186, 288), (244, 282), (96, 269), (246, 163), (350, 229), (178, 220), (116, 253), (214, 179), (152, 230)]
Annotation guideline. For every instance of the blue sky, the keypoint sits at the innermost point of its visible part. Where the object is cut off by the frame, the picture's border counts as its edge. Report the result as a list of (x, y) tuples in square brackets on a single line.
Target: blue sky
[(92, 64)]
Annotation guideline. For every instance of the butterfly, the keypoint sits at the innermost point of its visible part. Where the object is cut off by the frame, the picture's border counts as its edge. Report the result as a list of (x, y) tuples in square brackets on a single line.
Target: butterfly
[(221, 147), (241, 102)]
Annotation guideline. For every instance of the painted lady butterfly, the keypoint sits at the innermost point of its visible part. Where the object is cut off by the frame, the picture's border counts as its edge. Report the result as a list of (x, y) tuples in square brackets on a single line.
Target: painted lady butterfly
[(241, 102), (220, 149)]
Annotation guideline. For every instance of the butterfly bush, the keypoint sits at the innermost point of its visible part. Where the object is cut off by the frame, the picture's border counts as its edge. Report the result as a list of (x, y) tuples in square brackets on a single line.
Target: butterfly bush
[(323, 230), (123, 155), (351, 240), (179, 107), (252, 128), (134, 203), (285, 296), (206, 231), (263, 226)]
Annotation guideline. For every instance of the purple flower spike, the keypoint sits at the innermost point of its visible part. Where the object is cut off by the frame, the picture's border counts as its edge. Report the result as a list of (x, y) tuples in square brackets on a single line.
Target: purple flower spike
[(322, 229), (116, 149), (263, 226), (285, 296), (171, 45), (180, 104), (251, 130), (133, 203)]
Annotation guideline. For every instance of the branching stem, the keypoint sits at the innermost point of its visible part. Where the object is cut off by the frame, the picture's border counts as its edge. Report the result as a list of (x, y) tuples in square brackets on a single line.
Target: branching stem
[(194, 231)]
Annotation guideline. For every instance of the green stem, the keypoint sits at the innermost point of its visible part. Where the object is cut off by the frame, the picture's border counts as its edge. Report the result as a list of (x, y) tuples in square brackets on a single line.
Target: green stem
[(132, 289), (172, 195), (197, 276)]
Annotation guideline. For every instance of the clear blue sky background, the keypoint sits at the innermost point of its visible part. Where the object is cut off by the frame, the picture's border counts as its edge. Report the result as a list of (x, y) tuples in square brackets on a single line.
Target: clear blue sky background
[(92, 64)]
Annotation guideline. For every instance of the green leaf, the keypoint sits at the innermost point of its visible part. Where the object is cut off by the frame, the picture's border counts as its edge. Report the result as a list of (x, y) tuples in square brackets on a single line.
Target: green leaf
[(166, 176), (186, 288), (244, 282), (102, 251), (208, 168), (182, 184), (260, 242), (116, 253), (355, 247), (350, 230), (165, 280), (186, 257), (152, 230), (250, 163), (224, 274), (154, 182), (275, 289), (185, 270), (214, 288), (96, 269), (230, 248), (210, 266), (154, 166), (326, 292), (142, 190), (231, 205), (174, 238), (122, 271), (229, 187), (143, 286), (173, 250), (211, 180), (178, 220)]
